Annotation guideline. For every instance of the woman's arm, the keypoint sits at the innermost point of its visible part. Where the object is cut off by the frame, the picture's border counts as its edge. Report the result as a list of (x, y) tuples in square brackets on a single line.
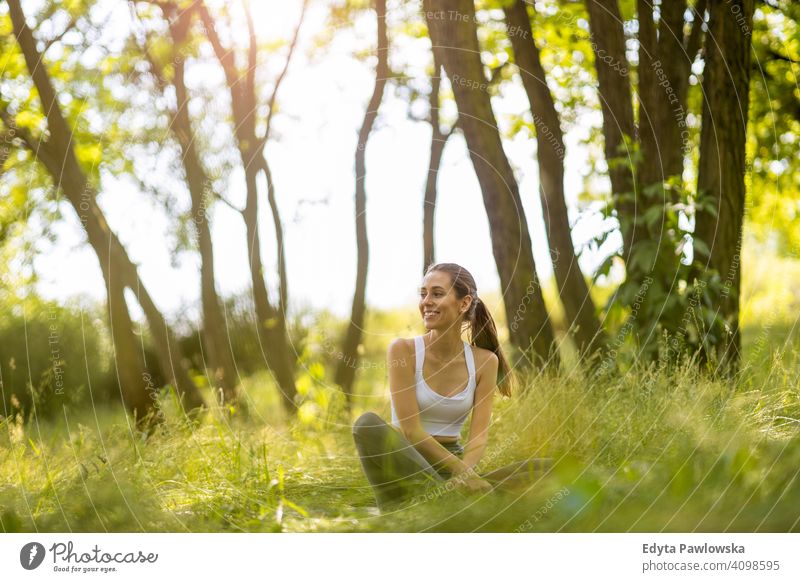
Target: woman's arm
[(402, 385), (481, 412)]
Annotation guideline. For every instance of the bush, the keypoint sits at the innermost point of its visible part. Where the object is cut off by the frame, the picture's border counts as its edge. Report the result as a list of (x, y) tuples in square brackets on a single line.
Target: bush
[(51, 356)]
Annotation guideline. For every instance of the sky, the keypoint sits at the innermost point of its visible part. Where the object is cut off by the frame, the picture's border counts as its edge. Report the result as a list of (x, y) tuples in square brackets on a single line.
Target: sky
[(322, 103)]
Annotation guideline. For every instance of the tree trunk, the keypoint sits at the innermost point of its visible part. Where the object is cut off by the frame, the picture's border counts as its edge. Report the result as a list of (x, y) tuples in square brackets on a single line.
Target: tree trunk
[(438, 143), (346, 370), (221, 365), (58, 156), (452, 27), (131, 373), (283, 279), (676, 60), (616, 104), (579, 308), (272, 324), (726, 81), (650, 106)]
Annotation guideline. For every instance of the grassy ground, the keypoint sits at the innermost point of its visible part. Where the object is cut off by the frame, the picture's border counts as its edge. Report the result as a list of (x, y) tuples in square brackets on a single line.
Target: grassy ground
[(644, 452), (648, 451)]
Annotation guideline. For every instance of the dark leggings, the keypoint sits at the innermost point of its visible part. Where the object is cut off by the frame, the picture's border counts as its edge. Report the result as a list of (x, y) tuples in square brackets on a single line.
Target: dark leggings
[(397, 471)]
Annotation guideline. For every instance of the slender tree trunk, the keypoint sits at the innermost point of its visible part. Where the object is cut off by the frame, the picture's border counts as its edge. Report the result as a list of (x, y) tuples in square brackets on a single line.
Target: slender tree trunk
[(171, 361), (574, 292), (453, 29), (270, 322), (58, 156), (438, 143), (273, 204), (241, 85), (346, 370), (128, 361), (675, 57), (220, 356), (726, 81), (222, 369), (616, 104), (283, 279), (653, 115), (650, 106)]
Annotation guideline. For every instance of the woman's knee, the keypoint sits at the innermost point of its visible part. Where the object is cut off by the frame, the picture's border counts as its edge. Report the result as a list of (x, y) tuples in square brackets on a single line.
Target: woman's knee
[(367, 423)]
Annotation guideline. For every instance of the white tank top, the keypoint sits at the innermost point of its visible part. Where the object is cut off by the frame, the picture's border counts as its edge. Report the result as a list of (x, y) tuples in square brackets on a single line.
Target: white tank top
[(441, 415)]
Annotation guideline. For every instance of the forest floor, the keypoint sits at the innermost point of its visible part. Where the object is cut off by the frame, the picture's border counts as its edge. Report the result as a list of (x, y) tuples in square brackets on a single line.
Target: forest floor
[(647, 451)]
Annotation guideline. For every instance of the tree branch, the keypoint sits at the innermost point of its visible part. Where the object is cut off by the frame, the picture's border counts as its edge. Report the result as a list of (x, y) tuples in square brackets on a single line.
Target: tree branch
[(225, 56), (72, 24), (60, 131), (781, 57), (279, 80), (228, 203)]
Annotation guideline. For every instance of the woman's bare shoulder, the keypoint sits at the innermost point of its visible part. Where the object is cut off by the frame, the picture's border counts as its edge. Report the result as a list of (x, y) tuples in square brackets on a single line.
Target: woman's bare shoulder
[(401, 348), (401, 354), (400, 343), (483, 356)]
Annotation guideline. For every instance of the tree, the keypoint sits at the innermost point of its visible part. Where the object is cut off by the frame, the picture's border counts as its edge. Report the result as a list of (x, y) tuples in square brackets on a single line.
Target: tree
[(572, 288), (452, 28), (691, 298), (57, 155), (251, 146), (215, 341), (439, 138), (345, 372), (726, 84), (617, 107), (665, 274)]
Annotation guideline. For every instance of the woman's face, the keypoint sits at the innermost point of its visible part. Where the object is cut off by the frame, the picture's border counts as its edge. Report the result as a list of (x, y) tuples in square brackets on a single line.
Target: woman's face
[(438, 304)]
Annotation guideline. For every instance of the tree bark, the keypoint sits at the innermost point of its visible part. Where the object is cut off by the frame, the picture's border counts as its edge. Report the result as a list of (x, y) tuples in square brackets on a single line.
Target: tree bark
[(726, 81), (283, 278), (128, 360), (676, 60), (616, 104), (579, 308), (222, 368), (650, 105), (438, 143), (58, 157), (346, 369), (272, 322), (453, 29), (273, 204)]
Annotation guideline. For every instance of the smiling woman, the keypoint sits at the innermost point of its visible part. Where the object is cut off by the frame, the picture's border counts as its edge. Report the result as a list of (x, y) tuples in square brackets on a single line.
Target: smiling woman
[(451, 381)]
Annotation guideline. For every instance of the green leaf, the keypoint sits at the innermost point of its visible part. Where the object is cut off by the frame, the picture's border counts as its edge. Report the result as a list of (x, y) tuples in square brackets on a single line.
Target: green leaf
[(653, 215), (700, 247), (654, 190), (643, 254)]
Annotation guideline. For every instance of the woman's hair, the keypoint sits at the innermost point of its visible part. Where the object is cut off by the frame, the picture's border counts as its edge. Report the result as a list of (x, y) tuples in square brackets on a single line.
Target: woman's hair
[(483, 331)]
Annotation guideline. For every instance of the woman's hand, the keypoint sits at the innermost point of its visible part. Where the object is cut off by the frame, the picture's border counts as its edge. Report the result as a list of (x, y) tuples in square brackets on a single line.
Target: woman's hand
[(475, 485), (470, 482)]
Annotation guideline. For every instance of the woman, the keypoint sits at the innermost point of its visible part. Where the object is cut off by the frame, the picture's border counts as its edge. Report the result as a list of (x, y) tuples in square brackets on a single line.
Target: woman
[(436, 381)]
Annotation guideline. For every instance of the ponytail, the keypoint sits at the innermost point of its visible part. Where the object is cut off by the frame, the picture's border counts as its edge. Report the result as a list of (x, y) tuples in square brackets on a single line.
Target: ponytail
[(483, 334)]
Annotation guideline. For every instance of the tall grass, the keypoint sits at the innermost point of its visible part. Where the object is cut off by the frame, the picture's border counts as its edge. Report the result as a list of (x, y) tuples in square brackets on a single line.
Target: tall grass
[(647, 450)]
